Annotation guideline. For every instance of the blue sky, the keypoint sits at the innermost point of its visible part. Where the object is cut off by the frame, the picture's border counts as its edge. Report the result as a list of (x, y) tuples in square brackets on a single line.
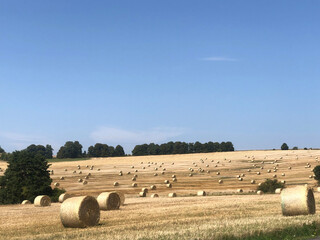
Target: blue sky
[(133, 72)]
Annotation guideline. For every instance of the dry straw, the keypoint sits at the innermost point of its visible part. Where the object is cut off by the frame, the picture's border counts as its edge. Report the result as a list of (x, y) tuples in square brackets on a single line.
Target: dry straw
[(80, 212), (109, 201), (64, 196), (298, 200), (172, 195), (202, 193), (42, 201), (26, 202)]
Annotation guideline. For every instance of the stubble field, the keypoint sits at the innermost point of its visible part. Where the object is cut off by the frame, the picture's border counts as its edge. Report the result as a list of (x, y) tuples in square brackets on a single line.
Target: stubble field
[(222, 214)]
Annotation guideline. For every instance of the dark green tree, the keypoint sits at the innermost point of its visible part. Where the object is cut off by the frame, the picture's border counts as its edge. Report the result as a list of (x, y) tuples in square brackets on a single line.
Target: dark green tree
[(295, 148), (26, 177), (119, 151), (44, 151), (1, 150), (70, 150), (269, 186), (284, 146), (316, 172)]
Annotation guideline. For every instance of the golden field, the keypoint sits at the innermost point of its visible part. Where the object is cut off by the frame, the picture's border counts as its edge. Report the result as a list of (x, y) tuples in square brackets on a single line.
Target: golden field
[(222, 213)]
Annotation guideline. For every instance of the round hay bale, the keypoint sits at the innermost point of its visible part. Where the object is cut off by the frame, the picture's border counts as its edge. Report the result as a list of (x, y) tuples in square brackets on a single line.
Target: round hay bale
[(145, 190), (258, 173), (156, 174), (218, 173), (173, 176), (142, 194), (275, 176), (169, 185), (86, 177), (133, 179), (56, 184), (253, 181), (122, 197), (172, 195), (128, 173), (85, 182), (283, 174), (134, 184), (318, 189), (220, 181), (239, 190), (154, 195), (201, 193), (153, 187), (174, 180), (109, 201), (289, 168), (120, 174), (166, 181), (115, 184), (42, 201), (80, 172), (80, 212), (278, 190), (65, 169), (240, 179), (25, 202), (190, 175), (283, 181), (249, 170), (80, 180), (162, 173), (64, 196), (259, 192), (298, 200), (61, 178), (269, 171), (136, 170), (89, 174)]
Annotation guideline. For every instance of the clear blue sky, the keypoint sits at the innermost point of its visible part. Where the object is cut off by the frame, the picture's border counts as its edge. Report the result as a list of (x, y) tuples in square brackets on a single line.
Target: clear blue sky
[(133, 72)]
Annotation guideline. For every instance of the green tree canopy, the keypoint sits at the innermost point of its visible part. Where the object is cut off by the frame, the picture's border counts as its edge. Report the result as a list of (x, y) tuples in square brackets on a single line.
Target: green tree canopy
[(1, 150), (284, 146), (26, 177), (70, 150)]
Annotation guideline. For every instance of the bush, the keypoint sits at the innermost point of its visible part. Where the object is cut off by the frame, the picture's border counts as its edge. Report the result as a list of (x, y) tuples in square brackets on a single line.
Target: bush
[(56, 192), (269, 186), (284, 146), (316, 172), (295, 148)]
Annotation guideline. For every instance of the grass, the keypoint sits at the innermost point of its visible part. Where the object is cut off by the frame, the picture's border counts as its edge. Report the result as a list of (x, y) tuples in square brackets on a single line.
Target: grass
[(66, 159)]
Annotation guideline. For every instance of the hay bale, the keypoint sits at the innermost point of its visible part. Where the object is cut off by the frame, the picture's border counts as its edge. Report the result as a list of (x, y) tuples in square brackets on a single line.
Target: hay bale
[(218, 173), (80, 180), (169, 185), (134, 184), (220, 181), (85, 182), (174, 180), (120, 174), (56, 184), (173, 176), (190, 175), (61, 178), (275, 176), (115, 184), (201, 193), (145, 190), (24, 202), (240, 179), (289, 168), (166, 181), (80, 212), (298, 200), (258, 173), (278, 190), (142, 194), (64, 196), (108, 201), (269, 171), (172, 195), (153, 187), (42, 201), (259, 192), (283, 174), (239, 190), (156, 174), (133, 179), (154, 195), (253, 181), (122, 197)]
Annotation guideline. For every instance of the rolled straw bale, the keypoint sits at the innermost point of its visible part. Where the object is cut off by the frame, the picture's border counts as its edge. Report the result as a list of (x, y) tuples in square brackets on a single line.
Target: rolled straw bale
[(122, 197), (61, 178), (154, 195), (239, 190), (85, 182), (64, 196), (190, 175), (283, 181), (156, 174), (269, 171), (220, 181), (80, 212), (318, 189), (133, 179), (166, 181), (173, 176), (120, 174), (169, 185), (174, 179), (298, 200), (258, 173), (218, 173), (89, 174), (115, 184), (259, 192), (56, 184), (80, 180), (134, 184), (201, 193), (240, 179), (172, 195), (289, 168), (142, 194), (145, 190), (109, 201), (283, 174), (153, 187), (278, 190), (253, 181), (42, 201), (162, 173), (25, 202)]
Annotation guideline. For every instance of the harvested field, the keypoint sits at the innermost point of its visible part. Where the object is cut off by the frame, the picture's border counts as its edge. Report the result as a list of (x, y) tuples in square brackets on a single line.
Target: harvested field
[(221, 213)]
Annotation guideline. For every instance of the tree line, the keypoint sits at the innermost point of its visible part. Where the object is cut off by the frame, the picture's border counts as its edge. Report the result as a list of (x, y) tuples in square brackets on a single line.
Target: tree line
[(181, 148)]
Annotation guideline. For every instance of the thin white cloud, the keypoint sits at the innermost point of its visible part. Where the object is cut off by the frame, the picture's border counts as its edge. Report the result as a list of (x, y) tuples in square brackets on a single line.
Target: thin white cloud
[(219, 59), (122, 136)]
